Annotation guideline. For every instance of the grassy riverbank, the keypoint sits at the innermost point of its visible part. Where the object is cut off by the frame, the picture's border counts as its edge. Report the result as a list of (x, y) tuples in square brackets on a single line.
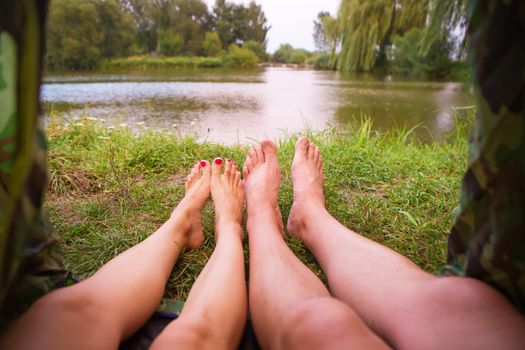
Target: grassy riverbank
[(237, 58), (110, 189)]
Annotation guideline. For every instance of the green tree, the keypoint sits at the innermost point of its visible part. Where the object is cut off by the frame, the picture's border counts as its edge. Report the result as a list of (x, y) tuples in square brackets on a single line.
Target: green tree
[(410, 59), (327, 36), (212, 44), (74, 35), (367, 28), (254, 24), (320, 38), (237, 24), (117, 26), (170, 44), (145, 31), (190, 19), (287, 54), (283, 54), (445, 17), (257, 47)]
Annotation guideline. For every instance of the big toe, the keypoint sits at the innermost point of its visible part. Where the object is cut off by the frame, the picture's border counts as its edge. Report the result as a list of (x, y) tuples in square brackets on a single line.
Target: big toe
[(216, 167), (301, 146), (270, 151)]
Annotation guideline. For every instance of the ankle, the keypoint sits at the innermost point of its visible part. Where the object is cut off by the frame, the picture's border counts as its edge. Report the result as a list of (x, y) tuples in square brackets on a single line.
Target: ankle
[(181, 218), (303, 215), (266, 221), (227, 223), (228, 228)]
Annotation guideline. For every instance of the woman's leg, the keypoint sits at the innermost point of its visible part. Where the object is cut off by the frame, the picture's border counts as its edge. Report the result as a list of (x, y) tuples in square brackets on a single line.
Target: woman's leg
[(405, 305), (112, 304), (289, 305), (214, 315)]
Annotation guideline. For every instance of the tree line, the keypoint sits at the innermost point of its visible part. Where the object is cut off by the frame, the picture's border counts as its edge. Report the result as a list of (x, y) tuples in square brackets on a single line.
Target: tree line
[(418, 37), (81, 33)]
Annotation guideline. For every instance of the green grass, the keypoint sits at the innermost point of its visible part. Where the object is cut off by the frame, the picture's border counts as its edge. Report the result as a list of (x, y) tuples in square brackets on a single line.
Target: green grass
[(239, 58), (110, 189), (151, 62)]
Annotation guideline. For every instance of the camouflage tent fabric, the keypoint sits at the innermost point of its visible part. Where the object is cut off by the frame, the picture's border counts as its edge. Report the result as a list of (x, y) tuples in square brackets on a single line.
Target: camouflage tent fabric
[(487, 240), (30, 263)]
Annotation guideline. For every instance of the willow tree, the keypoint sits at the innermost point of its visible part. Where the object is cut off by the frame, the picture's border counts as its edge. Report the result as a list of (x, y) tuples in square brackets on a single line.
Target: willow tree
[(367, 27), (446, 19)]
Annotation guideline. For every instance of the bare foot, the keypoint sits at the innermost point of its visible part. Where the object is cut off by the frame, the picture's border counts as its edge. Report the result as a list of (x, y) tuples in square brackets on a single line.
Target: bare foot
[(262, 178), (197, 192), (227, 192), (307, 178)]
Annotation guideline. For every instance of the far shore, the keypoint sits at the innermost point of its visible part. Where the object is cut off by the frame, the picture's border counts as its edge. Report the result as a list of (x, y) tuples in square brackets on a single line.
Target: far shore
[(285, 65)]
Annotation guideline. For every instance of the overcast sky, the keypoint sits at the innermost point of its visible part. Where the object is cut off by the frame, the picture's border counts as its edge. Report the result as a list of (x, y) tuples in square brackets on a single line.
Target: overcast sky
[(291, 20)]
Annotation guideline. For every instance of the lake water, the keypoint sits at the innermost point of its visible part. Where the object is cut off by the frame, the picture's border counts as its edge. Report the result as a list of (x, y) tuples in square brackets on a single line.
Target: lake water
[(241, 106)]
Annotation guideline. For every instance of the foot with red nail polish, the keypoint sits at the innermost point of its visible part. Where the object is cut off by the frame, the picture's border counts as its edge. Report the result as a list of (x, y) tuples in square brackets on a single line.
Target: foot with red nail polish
[(227, 192), (197, 192), (308, 179)]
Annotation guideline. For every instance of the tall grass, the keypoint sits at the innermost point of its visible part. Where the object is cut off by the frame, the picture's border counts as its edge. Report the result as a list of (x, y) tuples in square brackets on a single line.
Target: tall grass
[(110, 189), (151, 62), (239, 58)]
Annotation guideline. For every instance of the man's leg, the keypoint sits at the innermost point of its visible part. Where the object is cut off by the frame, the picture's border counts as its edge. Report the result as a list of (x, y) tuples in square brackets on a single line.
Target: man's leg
[(405, 305), (214, 315), (111, 305), (289, 305)]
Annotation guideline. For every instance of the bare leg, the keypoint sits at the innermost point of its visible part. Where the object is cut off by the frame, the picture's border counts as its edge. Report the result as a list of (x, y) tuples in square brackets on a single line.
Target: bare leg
[(215, 313), (289, 305), (111, 305), (405, 305)]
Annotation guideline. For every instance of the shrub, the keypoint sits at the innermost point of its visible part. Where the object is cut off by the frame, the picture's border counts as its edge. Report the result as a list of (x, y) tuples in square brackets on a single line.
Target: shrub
[(409, 58), (170, 45), (283, 53), (287, 54), (209, 62), (258, 48), (320, 61), (212, 44), (240, 57)]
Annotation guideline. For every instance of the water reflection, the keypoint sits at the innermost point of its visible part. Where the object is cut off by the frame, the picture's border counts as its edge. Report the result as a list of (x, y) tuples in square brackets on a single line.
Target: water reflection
[(239, 106)]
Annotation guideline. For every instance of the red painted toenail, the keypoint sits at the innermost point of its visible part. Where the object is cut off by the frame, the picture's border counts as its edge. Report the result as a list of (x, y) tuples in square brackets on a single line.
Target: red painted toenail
[(229, 160), (218, 161), (203, 163), (234, 163)]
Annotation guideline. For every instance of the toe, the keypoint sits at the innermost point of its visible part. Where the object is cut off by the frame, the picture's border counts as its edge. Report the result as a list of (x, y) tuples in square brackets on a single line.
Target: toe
[(260, 154), (248, 163), (269, 150), (195, 172), (311, 150), (205, 169), (317, 154), (252, 154), (301, 146), (237, 178), (234, 167), (228, 166), (245, 171), (216, 168)]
